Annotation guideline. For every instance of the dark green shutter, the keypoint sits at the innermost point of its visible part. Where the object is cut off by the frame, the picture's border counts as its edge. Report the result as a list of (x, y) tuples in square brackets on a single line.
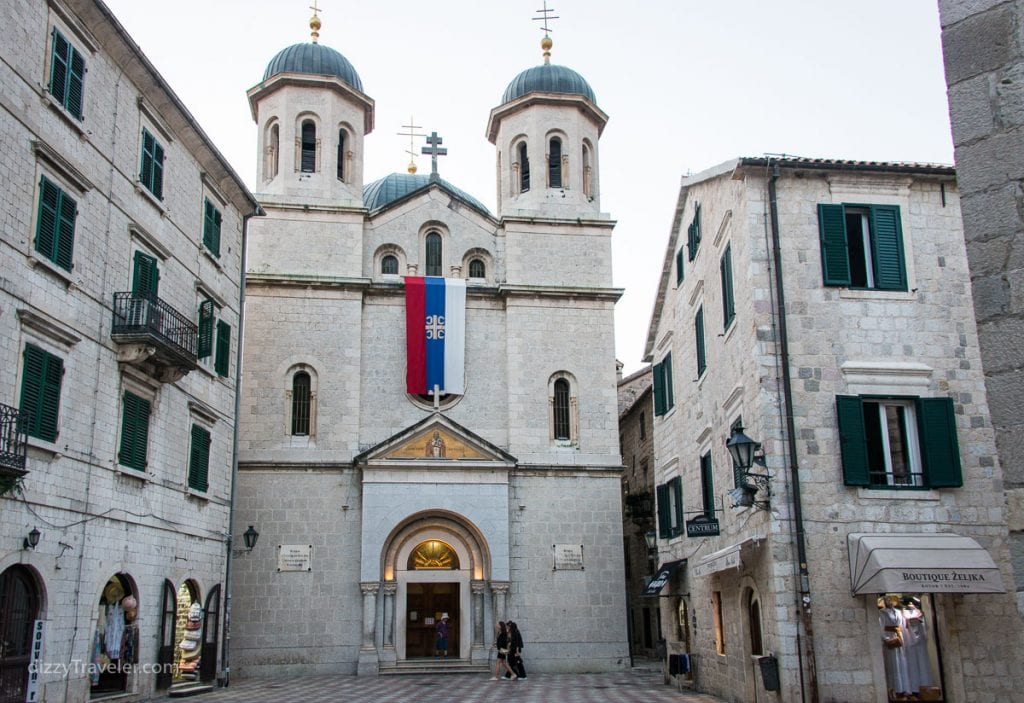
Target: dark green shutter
[(679, 266), (40, 392), (145, 277), (666, 371), (677, 490), (936, 421), (835, 261), (659, 390), (151, 172), (728, 302), (205, 345), (707, 484), (887, 248), (55, 229), (664, 512), (199, 459), (698, 327), (59, 68), (852, 440), (134, 432), (211, 228), (158, 170), (222, 361), (66, 232), (76, 83)]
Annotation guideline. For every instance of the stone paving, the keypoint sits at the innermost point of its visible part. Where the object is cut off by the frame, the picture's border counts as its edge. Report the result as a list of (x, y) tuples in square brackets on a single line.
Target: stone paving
[(635, 686)]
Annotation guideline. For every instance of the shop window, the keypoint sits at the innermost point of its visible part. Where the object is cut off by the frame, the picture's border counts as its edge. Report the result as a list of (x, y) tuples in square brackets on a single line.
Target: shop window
[(151, 170), (211, 227), (716, 613), (890, 442), (135, 412), (307, 147), (693, 233), (698, 334), (116, 639), (670, 508), (389, 264), (728, 299), (909, 649), (199, 459), (433, 254), (55, 225), (67, 75), (222, 360), (664, 397), (42, 376), (862, 246)]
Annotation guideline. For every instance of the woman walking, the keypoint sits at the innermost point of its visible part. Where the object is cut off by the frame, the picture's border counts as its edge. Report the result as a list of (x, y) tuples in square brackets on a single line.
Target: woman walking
[(502, 645), (516, 651)]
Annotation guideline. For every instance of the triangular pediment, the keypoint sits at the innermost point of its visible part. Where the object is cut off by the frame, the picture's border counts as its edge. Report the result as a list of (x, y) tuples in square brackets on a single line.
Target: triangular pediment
[(436, 439)]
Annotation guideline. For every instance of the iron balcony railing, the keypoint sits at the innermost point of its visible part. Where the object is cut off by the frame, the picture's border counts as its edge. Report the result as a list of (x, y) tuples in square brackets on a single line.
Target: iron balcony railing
[(13, 441), (139, 319)]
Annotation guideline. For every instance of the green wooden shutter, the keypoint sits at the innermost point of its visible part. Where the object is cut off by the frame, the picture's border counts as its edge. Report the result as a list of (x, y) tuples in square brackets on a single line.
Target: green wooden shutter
[(134, 432), (677, 491), (666, 371), (40, 392), (158, 170), (659, 390), (49, 215), (707, 484), (76, 83), (728, 301), (679, 266), (852, 440), (936, 421), (211, 228), (146, 167), (68, 211), (664, 512), (199, 459), (698, 327), (222, 360), (145, 277), (59, 68), (835, 259), (887, 248), (205, 345)]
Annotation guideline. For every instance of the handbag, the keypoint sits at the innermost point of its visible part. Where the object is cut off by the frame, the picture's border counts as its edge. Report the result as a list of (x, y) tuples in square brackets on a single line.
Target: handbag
[(502, 650)]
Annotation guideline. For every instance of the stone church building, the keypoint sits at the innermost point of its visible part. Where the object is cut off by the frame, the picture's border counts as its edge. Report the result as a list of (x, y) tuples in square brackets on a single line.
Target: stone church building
[(381, 507)]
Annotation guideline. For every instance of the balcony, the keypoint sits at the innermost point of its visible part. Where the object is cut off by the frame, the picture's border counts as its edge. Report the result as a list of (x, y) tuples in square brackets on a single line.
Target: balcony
[(13, 446), (154, 337)]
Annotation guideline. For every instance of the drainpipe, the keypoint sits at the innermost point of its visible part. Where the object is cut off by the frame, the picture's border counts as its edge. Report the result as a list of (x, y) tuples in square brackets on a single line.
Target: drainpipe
[(804, 586), (225, 662)]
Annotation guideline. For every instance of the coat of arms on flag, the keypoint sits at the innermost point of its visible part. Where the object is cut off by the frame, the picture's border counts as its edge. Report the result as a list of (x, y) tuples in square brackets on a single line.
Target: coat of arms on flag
[(435, 330)]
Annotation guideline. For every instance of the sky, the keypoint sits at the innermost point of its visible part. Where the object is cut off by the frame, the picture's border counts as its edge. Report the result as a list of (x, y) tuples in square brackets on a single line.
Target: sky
[(687, 84)]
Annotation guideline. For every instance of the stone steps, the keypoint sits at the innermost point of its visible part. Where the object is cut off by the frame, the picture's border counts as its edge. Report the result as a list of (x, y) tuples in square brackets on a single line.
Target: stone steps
[(188, 689), (433, 666)]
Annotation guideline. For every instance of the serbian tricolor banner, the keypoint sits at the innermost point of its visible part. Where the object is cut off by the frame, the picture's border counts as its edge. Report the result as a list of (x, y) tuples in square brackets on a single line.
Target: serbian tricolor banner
[(435, 330)]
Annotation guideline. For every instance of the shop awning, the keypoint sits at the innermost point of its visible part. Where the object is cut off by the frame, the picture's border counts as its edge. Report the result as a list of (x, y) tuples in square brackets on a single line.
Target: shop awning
[(728, 558), (661, 578), (925, 563)]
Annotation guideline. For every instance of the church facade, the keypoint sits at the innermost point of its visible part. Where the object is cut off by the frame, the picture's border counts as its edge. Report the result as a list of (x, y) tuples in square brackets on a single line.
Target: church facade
[(490, 493)]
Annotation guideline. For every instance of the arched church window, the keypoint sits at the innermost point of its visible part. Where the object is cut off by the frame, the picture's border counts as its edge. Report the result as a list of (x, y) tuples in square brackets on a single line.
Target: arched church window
[(587, 187), (555, 163), (389, 264), (308, 159), (477, 268), (301, 387), (433, 554), (341, 154), (273, 150), (433, 254), (524, 169), (561, 397)]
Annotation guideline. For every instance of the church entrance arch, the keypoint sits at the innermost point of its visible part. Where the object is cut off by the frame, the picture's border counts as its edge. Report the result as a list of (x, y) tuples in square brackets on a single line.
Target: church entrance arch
[(432, 558)]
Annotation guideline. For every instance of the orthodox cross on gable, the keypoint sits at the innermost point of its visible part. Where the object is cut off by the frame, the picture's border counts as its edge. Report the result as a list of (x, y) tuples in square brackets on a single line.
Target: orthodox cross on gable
[(434, 150), (412, 127)]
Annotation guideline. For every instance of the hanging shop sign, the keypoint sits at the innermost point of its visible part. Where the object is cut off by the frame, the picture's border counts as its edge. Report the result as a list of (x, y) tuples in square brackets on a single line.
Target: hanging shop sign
[(702, 526)]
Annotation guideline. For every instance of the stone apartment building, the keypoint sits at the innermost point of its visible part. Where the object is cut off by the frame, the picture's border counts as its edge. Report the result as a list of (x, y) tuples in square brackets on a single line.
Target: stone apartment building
[(121, 242), (636, 440), (386, 502), (819, 313)]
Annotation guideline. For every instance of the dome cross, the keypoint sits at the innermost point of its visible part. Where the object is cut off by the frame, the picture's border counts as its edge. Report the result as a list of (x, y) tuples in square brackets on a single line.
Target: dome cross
[(435, 149), (546, 42)]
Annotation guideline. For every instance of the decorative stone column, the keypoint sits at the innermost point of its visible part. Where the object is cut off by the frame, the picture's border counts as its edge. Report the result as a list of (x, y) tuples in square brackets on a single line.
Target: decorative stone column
[(499, 600), (479, 653), (389, 654), (368, 661)]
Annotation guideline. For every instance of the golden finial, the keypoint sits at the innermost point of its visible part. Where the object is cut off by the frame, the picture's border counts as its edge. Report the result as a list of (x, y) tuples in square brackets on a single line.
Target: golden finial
[(546, 42), (412, 127), (314, 22)]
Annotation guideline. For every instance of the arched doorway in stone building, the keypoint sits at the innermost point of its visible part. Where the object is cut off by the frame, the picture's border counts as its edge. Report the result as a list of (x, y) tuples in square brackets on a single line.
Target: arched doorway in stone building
[(435, 562)]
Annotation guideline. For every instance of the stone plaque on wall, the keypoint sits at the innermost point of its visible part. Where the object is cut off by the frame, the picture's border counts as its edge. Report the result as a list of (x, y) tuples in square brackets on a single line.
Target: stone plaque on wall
[(295, 557), (567, 556)]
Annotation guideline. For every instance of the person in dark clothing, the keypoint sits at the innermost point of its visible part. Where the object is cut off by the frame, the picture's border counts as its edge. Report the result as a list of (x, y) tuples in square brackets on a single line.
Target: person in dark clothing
[(502, 645), (441, 646), (515, 652)]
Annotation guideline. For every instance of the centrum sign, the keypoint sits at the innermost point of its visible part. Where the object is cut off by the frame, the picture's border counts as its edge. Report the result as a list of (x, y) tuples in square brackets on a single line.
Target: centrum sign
[(702, 526)]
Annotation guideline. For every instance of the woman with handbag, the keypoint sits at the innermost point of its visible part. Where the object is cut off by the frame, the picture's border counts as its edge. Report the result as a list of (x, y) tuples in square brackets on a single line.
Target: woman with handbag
[(501, 644), (516, 651)]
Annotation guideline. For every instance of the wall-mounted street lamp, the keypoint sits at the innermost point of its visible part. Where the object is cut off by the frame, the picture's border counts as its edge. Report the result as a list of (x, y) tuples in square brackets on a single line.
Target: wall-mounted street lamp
[(744, 454), (250, 537), (32, 539), (651, 538)]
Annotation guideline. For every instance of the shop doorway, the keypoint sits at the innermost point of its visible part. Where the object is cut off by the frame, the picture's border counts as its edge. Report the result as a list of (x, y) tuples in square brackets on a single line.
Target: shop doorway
[(426, 604), (115, 646), (211, 630), (188, 634), (19, 608), (165, 654)]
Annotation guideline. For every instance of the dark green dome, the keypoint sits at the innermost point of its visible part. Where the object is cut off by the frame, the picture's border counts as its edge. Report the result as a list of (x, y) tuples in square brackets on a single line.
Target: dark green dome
[(548, 78), (314, 59), (396, 186)]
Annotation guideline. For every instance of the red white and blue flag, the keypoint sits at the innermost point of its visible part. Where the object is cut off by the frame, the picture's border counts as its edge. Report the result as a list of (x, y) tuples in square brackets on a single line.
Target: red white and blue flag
[(435, 329)]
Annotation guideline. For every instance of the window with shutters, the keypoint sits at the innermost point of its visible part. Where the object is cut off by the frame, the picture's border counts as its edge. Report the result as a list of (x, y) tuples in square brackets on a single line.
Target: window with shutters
[(896, 442), (555, 163), (301, 389), (222, 359), (55, 224), (199, 459), (664, 395), (693, 233), (41, 378), (211, 227), (728, 301), (670, 508), (698, 332), (151, 170), (707, 485), (862, 246), (145, 276), (432, 245), (67, 75), (135, 412), (204, 348), (679, 267), (307, 147)]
